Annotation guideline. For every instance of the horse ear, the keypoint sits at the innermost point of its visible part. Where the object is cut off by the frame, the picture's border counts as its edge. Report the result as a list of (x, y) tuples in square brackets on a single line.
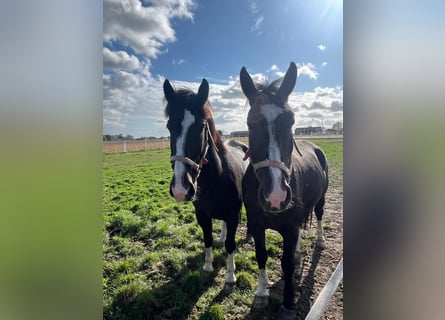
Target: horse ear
[(203, 91), (288, 84), (247, 84), (169, 92)]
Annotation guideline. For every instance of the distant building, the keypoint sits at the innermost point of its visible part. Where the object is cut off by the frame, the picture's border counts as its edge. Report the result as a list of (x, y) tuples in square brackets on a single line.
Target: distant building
[(235, 134), (330, 131), (308, 131)]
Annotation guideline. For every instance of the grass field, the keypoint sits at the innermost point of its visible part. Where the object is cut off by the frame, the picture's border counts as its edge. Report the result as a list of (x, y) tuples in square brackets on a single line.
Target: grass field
[(153, 247)]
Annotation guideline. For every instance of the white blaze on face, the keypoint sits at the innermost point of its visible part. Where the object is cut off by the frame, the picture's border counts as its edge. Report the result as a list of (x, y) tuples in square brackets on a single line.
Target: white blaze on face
[(179, 168), (278, 194)]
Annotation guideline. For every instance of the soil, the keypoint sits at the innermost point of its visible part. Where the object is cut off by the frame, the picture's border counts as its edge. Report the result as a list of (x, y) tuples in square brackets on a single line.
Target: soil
[(318, 265)]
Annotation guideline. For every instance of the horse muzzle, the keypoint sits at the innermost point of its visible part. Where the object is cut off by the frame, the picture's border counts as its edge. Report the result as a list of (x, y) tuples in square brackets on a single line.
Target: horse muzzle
[(183, 189), (275, 201)]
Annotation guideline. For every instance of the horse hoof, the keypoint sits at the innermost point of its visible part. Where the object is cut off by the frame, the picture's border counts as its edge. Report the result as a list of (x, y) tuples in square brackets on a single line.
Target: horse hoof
[(286, 314), (228, 287), (321, 244), (207, 268), (260, 302)]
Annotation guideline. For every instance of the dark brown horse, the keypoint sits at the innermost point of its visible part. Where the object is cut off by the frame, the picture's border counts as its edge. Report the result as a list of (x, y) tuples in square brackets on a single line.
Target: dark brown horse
[(284, 182), (206, 171)]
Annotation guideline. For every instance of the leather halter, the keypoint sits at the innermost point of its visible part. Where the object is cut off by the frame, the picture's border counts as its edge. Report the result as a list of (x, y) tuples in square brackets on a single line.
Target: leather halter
[(274, 164), (188, 161), (196, 166)]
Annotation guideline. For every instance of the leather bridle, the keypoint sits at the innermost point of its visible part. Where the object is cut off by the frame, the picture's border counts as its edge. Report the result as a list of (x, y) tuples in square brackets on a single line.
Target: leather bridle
[(274, 164), (194, 165)]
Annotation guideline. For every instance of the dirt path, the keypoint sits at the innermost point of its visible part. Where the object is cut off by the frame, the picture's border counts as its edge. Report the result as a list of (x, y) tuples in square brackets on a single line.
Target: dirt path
[(318, 265)]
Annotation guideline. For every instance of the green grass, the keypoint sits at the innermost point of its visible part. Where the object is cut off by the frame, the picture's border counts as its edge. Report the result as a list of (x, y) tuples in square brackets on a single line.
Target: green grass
[(153, 247)]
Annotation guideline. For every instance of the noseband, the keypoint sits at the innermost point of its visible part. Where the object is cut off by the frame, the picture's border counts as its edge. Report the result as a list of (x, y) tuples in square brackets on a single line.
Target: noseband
[(196, 166), (274, 164)]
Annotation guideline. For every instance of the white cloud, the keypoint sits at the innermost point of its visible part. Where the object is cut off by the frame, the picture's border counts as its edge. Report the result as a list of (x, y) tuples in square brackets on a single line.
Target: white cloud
[(253, 7), (311, 108), (276, 71), (323, 92), (119, 60), (130, 92), (143, 99), (178, 62), (257, 25), (321, 47), (324, 64), (307, 69), (274, 68), (323, 103), (143, 28), (258, 17)]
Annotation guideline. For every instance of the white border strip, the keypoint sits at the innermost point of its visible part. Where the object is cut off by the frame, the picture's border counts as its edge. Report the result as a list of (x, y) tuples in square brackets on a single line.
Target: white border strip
[(326, 293)]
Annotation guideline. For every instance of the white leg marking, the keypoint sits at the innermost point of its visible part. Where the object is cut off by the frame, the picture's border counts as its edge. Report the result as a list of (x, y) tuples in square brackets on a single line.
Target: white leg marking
[(278, 194), (223, 236), (320, 235), (208, 260), (230, 278), (178, 189), (262, 290)]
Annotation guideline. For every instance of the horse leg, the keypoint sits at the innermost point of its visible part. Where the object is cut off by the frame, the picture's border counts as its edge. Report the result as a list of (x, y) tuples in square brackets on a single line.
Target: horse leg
[(287, 310), (319, 210), (298, 249), (262, 293), (206, 225), (248, 233), (223, 235), (230, 248)]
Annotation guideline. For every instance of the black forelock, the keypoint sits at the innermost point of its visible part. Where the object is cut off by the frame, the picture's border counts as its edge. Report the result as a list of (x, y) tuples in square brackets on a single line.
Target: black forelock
[(270, 90)]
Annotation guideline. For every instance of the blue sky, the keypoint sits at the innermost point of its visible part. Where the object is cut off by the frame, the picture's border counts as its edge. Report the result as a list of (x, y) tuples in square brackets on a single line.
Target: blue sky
[(184, 41)]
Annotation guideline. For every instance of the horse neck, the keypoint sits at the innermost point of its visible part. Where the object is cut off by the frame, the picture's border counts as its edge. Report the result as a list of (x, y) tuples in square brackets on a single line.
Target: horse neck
[(215, 159), (213, 169), (297, 175)]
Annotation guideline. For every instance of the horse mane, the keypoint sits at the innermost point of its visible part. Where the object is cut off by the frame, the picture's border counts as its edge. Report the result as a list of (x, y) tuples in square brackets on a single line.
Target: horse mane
[(207, 108)]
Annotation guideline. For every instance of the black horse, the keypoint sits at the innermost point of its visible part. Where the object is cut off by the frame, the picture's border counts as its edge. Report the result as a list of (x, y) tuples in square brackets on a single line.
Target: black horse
[(206, 171), (285, 181)]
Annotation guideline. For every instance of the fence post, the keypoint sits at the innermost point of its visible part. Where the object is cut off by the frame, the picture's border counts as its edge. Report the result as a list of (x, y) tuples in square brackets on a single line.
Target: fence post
[(125, 146)]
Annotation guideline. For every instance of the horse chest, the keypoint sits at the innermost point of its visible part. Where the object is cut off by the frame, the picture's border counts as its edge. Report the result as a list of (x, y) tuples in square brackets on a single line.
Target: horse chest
[(290, 219)]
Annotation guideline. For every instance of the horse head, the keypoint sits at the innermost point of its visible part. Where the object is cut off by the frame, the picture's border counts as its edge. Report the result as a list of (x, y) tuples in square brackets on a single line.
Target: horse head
[(187, 123), (271, 142)]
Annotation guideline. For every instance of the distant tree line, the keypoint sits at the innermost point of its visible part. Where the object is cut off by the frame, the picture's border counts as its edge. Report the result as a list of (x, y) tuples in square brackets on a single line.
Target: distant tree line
[(121, 137)]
